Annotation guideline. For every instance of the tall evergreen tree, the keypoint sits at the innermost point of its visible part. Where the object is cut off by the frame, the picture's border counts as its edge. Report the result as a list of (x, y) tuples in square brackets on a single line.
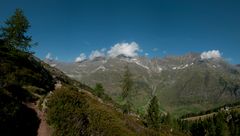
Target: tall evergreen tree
[(153, 114), (99, 90), (127, 84), (13, 33)]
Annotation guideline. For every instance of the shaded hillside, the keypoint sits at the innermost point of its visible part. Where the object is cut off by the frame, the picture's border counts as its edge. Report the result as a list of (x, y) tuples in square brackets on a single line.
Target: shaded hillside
[(22, 80)]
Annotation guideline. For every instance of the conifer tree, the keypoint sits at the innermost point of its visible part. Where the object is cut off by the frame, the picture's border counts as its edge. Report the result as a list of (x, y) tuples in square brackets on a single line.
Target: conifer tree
[(127, 84), (99, 90), (13, 33), (153, 114)]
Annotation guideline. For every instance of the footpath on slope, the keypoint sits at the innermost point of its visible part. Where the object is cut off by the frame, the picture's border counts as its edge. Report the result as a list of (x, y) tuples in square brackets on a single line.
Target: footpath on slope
[(200, 117), (43, 129)]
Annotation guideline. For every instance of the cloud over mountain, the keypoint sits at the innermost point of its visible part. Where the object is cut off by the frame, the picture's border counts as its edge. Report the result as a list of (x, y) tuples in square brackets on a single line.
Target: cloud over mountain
[(80, 58), (96, 53), (213, 54), (126, 49)]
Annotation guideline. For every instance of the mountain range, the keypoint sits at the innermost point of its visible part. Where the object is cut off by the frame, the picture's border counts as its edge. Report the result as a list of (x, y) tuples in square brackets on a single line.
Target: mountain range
[(182, 84)]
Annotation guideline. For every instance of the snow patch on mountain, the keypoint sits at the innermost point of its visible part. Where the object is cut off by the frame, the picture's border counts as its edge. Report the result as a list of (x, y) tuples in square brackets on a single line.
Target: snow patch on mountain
[(182, 66), (140, 64), (185, 66), (102, 68)]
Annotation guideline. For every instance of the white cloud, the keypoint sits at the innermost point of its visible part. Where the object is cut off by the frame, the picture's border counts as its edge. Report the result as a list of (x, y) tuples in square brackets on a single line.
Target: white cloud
[(127, 49), (97, 53), (49, 56), (80, 58), (146, 54), (213, 54)]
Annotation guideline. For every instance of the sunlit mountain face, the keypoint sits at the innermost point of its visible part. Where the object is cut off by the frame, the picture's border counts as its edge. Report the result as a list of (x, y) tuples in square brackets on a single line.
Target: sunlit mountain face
[(182, 83)]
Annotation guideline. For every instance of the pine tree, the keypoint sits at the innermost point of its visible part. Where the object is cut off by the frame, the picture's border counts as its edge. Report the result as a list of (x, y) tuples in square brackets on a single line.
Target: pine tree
[(14, 31), (99, 90), (127, 84), (153, 114)]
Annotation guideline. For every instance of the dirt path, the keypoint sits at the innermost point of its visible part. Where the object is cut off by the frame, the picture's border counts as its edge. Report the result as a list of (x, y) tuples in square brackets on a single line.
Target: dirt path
[(202, 117), (43, 129)]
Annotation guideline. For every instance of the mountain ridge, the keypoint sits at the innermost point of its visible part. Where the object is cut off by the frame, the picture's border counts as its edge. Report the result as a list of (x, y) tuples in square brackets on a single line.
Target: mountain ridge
[(179, 78)]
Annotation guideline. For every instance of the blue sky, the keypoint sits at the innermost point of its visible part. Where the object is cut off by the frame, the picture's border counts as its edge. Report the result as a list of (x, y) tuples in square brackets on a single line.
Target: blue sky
[(66, 28)]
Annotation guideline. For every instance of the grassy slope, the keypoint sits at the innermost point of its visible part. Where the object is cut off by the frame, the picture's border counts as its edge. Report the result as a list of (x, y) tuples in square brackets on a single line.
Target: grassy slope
[(80, 113)]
